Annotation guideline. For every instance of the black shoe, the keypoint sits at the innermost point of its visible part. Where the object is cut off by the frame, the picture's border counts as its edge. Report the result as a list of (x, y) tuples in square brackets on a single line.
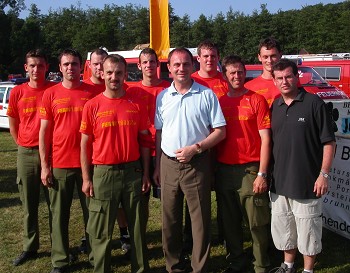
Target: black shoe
[(83, 246), (57, 270), (25, 256), (73, 257), (185, 259), (184, 264), (125, 243)]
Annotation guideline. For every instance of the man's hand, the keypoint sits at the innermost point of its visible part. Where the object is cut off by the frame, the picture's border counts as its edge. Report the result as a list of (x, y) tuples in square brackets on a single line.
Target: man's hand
[(185, 154), (46, 177), (260, 185), (88, 188), (156, 176), (321, 186), (146, 183)]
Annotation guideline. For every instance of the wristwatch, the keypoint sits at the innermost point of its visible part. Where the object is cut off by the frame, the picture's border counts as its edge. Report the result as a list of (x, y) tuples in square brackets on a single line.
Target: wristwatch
[(263, 175), (199, 148), (325, 175)]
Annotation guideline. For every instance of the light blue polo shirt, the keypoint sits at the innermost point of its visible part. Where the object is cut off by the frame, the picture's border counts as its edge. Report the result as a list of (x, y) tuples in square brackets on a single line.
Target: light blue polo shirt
[(186, 119)]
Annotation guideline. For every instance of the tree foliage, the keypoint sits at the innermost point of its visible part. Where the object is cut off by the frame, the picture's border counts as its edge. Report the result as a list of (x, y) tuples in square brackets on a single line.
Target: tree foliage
[(317, 29), (15, 5)]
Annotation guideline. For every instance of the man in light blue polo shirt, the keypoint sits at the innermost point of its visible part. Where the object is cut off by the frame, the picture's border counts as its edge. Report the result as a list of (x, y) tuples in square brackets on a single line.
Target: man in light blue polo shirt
[(189, 121)]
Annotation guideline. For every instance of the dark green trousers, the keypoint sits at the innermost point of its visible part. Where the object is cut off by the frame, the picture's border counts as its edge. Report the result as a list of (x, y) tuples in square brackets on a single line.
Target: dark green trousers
[(29, 184), (115, 184), (61, 196), (238, 203)]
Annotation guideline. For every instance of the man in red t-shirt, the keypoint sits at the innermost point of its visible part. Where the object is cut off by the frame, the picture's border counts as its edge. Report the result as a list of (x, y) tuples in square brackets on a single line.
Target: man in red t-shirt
[(147, 91), (208, 74), (243, 158), (59, 147), (269, 53), (96, 60), (117, 118), (23, 113)]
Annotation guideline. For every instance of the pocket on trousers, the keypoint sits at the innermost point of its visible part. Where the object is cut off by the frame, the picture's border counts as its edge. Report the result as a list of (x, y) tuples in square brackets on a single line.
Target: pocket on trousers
[(95, 224), (262, 213), (103, 183)]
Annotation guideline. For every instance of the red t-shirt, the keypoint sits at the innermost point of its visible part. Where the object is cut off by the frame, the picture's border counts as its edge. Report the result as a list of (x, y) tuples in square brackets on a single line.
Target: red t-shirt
[(264, 87), (245, 116), (24, 105), (99, 88), (114, 125), (147, 95), (217, 83), (64, 108)]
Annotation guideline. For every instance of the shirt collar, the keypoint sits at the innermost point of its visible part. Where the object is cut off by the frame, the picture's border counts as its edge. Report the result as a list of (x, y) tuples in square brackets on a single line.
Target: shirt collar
[(299, 97), (193, 89)]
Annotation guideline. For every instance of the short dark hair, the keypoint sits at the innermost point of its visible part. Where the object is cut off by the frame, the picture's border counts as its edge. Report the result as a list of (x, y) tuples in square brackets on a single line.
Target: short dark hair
[(231, 60), (36, 53), (148, 51), (180, 50), (115, 58), (72, 52), (283, 64), (207, 44), (269, 43), (99, 51)]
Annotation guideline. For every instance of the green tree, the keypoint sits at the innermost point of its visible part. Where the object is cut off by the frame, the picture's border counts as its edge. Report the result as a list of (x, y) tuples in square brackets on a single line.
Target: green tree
[(14, 41), (30, 35), (201, 30), (15, 5), (60, 28), (219, 30), (180, 32)]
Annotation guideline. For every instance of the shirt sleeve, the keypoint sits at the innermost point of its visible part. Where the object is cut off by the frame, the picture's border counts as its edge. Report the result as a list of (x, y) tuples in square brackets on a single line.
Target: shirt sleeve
[(86, 126), (158, 120), (262, 113), (45, 109), (12, 110), (324, 123)]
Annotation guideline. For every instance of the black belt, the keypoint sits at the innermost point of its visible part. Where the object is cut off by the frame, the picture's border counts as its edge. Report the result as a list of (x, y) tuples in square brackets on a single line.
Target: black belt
[(172, 158), (193, 157)]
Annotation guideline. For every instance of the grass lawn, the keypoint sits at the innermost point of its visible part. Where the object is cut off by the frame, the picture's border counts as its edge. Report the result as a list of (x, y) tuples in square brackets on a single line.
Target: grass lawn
[(335, 257)]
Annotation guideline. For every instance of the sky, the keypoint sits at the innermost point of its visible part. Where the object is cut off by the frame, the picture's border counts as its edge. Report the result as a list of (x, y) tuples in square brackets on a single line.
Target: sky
[(193, 8)]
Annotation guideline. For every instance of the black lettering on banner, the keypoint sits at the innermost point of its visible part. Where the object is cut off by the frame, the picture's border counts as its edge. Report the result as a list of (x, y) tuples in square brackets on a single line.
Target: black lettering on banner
[(341, 226), (345, 153)]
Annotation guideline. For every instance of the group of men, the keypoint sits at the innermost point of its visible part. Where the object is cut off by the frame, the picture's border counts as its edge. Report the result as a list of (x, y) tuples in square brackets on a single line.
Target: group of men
[(203, 129)]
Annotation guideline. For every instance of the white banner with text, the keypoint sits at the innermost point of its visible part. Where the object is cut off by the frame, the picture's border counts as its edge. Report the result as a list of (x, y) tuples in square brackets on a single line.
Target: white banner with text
[(336, 202)]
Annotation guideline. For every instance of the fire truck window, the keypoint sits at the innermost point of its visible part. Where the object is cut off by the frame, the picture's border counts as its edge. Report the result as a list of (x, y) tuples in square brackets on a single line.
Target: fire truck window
[(252, 74), (134, 74), (329, 73)]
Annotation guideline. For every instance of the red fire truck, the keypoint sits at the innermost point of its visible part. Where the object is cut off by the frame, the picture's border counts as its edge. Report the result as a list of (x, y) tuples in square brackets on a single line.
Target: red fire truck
[(333, 67)]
